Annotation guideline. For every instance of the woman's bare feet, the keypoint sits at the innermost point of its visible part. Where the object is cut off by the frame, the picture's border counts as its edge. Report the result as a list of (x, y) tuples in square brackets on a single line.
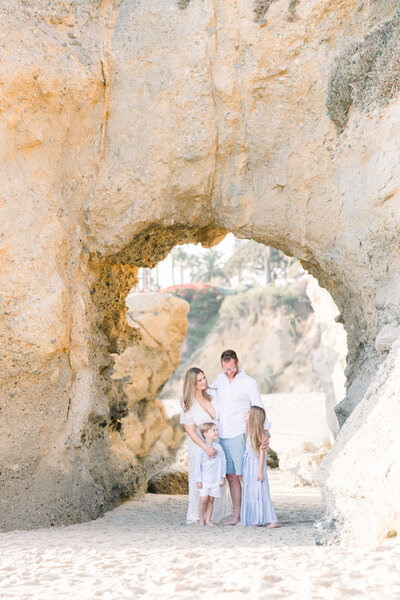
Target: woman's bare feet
[(273, 525), (200, 523), (232, 521)]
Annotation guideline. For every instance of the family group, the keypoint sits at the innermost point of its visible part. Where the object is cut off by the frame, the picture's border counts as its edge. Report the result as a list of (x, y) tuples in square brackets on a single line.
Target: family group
[(228, 433)]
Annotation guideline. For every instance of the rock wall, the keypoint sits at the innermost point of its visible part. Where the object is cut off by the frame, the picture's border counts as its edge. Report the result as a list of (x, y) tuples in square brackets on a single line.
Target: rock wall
[(329, 359), (128, 127), (143, 434), (362, 474)]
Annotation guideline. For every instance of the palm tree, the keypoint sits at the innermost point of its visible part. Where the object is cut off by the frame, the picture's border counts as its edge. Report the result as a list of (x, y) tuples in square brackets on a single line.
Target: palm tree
[(251, 257), (192, 263), (210, 266), (180, 257)]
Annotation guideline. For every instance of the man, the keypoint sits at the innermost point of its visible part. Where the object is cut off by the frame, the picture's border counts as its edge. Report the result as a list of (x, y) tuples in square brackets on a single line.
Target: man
[(236, 392)]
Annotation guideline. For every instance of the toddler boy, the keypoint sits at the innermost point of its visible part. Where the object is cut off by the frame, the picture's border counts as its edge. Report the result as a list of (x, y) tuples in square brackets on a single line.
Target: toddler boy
[(210, 472)]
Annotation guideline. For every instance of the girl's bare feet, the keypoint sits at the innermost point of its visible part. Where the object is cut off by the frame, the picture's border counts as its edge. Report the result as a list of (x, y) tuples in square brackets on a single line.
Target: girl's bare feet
[(210, 524), (273, 525)]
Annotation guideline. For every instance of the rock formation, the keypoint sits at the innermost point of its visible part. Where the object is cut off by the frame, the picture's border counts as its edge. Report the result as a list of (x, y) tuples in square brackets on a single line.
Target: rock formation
[(329, 359), (170, 481), (142, 433), (362, 473), (129, 127)]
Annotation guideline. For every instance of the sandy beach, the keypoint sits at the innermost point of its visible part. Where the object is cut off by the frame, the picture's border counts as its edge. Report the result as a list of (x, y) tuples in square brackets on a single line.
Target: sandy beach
[(145, 549)]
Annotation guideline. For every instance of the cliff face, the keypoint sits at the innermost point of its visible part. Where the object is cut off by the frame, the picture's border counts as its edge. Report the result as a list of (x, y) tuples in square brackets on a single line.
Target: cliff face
[(142, 434), (129, 127), (329, 358), (289, 347), (276, 339)]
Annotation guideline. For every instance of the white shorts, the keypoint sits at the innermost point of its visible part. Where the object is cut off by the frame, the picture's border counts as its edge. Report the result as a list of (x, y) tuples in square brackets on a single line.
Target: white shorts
[(210, 489)]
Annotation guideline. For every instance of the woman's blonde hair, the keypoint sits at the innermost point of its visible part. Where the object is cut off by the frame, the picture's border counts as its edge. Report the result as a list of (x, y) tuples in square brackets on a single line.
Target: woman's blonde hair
[(189, 388), (255, 427)]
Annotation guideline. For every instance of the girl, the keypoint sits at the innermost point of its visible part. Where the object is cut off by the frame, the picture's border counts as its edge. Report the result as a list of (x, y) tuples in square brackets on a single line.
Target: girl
[(257, 507)]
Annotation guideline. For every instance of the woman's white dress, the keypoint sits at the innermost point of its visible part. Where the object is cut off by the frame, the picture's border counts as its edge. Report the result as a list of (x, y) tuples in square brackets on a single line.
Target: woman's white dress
[(196, 415)]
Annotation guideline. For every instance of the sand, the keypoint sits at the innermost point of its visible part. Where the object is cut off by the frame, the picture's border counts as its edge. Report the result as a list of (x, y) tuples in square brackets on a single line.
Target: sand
[(143, 549)]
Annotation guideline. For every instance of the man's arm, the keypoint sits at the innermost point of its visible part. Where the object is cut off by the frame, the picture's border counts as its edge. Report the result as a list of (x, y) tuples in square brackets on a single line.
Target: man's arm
[(223, 461), (260, 474), (223, 464)]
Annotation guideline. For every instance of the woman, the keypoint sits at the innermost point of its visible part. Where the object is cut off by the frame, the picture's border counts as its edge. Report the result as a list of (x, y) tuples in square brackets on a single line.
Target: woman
[(200, 406)]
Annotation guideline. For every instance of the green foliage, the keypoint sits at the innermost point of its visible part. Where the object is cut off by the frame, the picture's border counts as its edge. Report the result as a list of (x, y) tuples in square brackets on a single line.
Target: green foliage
[(201, 296), (205, 301), (293, 328), (266, 379), (367, 72), (184, 260), (260, 300), (182, 4), (248, 261), (210, 266), (198, 331), (251, 257)]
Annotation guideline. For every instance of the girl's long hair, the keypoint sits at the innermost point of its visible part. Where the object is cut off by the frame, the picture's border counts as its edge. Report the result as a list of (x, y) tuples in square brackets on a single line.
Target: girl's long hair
[(189, 388), (255, 427)]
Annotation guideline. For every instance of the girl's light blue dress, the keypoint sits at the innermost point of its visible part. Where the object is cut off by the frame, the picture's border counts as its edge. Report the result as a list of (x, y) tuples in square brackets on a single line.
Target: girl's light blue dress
[(257, 507)]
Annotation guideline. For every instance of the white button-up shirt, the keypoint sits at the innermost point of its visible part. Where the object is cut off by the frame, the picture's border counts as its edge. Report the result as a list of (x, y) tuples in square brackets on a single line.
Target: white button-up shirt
[(234, 399), (210, 470)]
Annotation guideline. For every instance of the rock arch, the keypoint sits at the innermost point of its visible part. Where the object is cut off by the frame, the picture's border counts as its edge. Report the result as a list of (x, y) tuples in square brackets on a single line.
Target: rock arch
[(133, 127)]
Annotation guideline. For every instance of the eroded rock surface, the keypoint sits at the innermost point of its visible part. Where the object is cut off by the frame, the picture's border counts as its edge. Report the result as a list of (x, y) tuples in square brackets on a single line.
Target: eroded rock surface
[(143, 434), (170, 481), (362, 474), (128, 127), (329, 359)]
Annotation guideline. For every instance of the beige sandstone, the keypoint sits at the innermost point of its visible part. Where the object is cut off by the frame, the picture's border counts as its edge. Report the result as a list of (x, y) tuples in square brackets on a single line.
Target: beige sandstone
[(131, 126), (170, 481), (144, 434), (363, 472), (329, 359)]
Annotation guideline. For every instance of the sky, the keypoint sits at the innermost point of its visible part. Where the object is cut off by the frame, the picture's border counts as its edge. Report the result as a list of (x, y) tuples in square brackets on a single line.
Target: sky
[(164, 267)]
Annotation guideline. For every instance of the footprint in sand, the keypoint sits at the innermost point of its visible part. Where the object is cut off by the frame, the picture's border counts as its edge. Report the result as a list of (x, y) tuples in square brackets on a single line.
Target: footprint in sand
[(272, 579), (191, 554)]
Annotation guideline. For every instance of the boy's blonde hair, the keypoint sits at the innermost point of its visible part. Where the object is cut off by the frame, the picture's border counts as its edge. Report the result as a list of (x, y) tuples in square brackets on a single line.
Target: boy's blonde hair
[(255, 427), (205, 427)]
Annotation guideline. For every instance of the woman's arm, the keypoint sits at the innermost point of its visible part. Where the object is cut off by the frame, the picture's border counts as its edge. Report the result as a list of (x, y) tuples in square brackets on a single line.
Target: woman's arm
[(191, 431), (260, 474)]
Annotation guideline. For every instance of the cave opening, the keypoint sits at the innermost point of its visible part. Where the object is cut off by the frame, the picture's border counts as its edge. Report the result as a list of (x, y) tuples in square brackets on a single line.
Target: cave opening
[(240, 294)]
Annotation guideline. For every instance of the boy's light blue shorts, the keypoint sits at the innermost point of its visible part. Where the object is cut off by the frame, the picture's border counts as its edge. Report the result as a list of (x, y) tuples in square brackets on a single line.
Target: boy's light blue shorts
[(234, 451)]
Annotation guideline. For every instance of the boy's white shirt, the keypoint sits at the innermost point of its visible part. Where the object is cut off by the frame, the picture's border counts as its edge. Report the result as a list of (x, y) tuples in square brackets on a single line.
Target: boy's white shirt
[(210, 470), (234, 400)]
